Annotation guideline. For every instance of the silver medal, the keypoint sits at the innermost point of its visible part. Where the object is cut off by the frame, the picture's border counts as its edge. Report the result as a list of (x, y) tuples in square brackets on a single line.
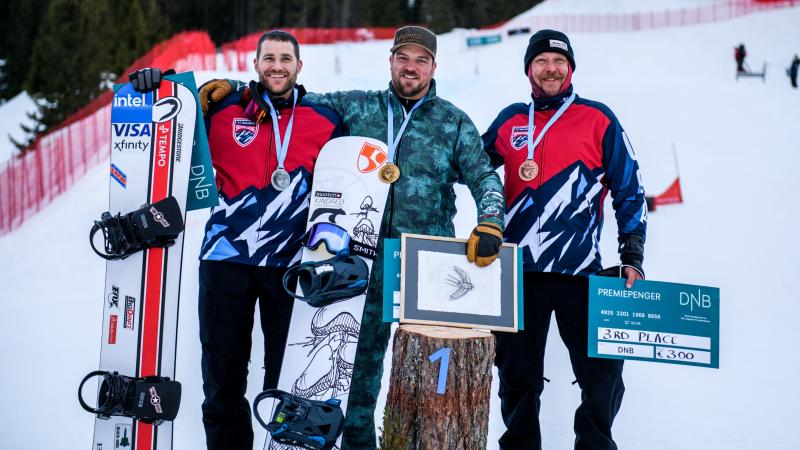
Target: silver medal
[(280, 179)]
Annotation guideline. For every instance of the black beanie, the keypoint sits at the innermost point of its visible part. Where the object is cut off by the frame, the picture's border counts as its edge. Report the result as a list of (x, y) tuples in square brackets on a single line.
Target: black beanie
[(548, 41)]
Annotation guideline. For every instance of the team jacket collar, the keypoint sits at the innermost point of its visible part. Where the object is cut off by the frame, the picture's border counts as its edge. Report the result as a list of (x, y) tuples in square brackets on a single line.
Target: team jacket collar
[(256, 109), (548, 103)]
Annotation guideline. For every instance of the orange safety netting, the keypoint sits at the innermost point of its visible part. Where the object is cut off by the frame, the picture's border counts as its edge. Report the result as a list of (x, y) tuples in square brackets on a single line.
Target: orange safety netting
[(65, 153)]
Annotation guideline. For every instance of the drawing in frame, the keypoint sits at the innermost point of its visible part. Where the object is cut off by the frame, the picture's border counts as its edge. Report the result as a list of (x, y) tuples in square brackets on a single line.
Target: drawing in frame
[(457, 293)]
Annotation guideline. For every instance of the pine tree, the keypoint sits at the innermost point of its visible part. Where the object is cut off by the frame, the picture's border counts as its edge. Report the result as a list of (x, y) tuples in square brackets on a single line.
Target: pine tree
[(69, 57), (438, 15), (21, 20)]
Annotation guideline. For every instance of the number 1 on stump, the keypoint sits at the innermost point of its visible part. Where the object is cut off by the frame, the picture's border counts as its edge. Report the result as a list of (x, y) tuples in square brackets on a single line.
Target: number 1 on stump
[(443, 354)]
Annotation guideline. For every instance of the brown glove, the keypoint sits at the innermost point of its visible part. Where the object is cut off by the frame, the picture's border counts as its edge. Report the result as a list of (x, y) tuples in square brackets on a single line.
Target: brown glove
[(212, 92), (484, 244)]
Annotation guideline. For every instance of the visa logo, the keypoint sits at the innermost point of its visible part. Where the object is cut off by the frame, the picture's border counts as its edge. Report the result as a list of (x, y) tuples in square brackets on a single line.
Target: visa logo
[(131, 129), (131, 101)]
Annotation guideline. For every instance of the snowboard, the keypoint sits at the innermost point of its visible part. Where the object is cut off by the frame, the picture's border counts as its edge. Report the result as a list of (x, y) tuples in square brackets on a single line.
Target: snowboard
[(321, 345), (151, 153)]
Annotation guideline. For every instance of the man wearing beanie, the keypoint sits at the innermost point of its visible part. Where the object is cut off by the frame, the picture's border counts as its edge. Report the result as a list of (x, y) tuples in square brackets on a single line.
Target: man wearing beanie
[(562, 155), (433, 144)]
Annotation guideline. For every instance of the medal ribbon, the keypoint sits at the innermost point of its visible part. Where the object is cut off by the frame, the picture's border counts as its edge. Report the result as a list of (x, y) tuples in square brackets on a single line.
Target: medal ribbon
[(281, 144), (395, 141), (547, 126)]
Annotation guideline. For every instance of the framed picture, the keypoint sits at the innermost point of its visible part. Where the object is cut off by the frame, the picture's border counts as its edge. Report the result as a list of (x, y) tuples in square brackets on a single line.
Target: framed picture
[(438, 286)]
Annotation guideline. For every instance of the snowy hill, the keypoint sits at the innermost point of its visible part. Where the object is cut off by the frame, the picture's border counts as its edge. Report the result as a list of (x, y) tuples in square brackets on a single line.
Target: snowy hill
[(737, 145)]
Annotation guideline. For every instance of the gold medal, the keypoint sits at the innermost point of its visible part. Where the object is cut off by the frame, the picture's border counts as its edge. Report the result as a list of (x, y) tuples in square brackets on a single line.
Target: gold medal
[(528, 170), (389, 173)]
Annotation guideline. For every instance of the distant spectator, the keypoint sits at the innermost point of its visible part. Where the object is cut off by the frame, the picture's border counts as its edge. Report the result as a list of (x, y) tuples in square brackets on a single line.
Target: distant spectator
[(793, 71), (740, 53)]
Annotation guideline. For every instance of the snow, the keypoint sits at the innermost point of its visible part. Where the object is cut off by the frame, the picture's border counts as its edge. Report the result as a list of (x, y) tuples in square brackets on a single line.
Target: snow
[(612, 7), (14, 113), (737, 148)]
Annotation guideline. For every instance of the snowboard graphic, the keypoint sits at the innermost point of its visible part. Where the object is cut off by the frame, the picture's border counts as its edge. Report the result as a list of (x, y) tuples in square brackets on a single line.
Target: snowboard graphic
[(151, 152), (321, 346)]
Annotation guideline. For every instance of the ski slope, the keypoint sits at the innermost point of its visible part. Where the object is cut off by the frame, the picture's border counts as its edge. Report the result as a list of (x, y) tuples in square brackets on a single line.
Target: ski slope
[(737, 147)]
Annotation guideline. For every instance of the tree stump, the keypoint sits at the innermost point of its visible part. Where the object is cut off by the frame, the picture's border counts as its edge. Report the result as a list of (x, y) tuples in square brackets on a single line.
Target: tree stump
[(416, 416)]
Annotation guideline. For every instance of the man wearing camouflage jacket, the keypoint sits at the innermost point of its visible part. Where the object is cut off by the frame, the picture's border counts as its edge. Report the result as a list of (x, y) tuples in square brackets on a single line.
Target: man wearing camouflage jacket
[(439, 147)]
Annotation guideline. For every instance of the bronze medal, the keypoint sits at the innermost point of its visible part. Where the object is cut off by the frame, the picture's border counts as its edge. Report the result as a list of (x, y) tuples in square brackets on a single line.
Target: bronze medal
[(528, 170), (389, 173)]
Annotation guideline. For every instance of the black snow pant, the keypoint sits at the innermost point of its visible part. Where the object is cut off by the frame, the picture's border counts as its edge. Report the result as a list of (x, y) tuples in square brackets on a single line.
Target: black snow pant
[(227, 299), (520, 362)]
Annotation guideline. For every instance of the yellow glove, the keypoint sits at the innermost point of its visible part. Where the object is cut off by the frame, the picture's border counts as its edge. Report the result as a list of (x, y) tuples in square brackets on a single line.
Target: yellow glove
[(212, 92), (484, 244)]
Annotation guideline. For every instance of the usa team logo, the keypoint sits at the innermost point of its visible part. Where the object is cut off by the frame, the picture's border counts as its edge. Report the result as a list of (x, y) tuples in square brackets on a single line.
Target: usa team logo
[(519, 137), (244, 131), (370, 158)]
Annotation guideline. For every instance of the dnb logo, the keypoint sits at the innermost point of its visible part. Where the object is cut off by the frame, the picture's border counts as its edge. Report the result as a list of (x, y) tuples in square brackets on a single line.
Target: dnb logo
[(244, 131), (370, 158), (519, 137)]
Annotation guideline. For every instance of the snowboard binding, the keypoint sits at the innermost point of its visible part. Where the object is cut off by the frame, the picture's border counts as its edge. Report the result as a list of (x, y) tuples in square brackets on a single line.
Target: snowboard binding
[(150, 399), (310, 424), (329, 281), (152, 225)]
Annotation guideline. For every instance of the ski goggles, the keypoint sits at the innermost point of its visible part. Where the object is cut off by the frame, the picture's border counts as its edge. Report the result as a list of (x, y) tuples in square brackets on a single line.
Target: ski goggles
[(335, 238)]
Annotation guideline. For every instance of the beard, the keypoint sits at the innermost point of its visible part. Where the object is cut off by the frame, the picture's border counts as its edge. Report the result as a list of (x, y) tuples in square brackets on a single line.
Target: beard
[(409, 91), (281, 90)]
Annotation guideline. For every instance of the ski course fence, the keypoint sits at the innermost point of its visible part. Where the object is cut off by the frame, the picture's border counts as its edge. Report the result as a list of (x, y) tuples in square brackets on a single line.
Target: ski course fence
[(649, 20)]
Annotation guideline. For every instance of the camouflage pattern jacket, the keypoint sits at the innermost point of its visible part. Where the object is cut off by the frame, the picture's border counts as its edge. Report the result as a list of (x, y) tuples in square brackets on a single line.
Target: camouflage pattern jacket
[(440, 146)]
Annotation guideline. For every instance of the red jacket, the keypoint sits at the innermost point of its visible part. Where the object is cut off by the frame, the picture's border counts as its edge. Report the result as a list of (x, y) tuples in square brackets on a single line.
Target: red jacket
[(255, 223)]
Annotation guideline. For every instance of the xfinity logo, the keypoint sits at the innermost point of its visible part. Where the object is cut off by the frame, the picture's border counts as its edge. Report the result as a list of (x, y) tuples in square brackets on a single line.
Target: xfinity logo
[(134, 145)]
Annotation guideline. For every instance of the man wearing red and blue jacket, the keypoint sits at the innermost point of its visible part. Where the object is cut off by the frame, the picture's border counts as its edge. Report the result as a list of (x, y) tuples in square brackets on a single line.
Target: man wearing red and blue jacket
[(263, 175), (554, 193)]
